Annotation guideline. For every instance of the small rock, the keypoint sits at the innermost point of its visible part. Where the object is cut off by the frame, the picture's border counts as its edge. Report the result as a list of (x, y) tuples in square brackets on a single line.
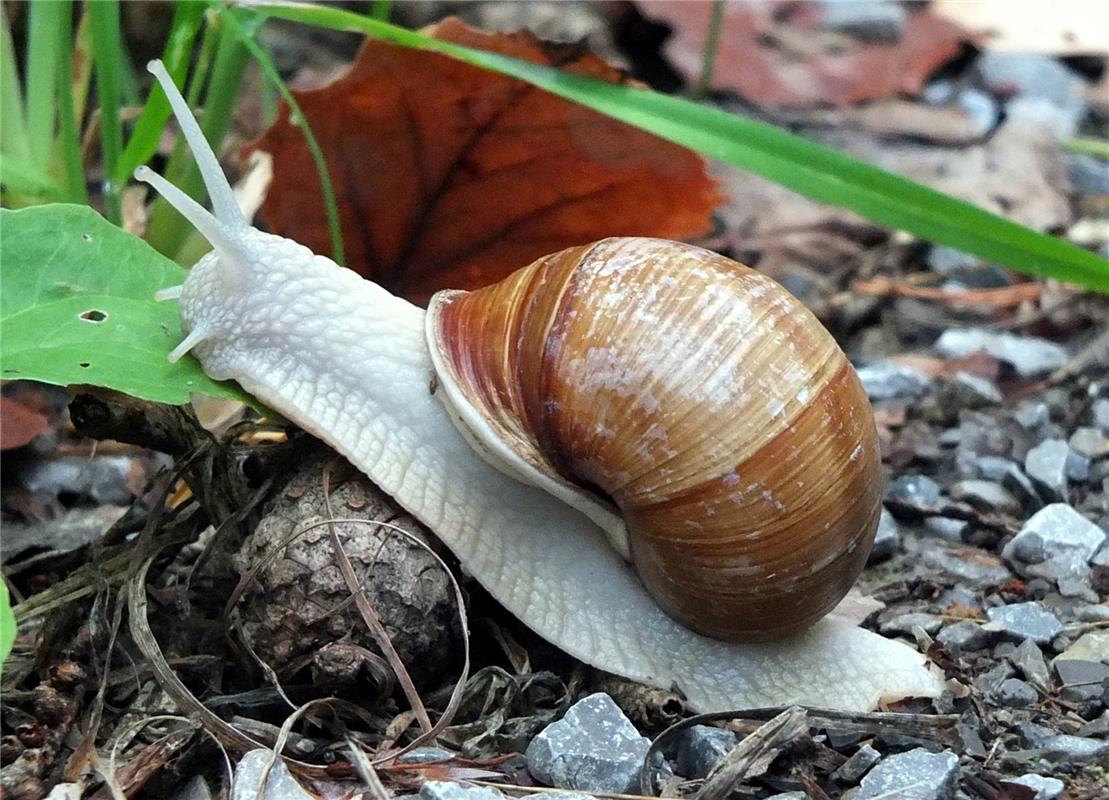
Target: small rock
[(1029, 659), (280, 783), (885, 380), (1073, 672), (1061, 119), (947, 260), (980, 107), (699, 748), (1015, 693), (1068, 540), (975, 568), (887, 539), (1031, 416), (1090, 646), (1028, 355), (1026, 621), (865, 19), (992, 468), (914, 490), (974, 391), (1096, 727), (966, 636), (593, 748), (1064, 747), (1045, 89), (1028, 546), (986, 496), (1089, 443), (947, 528), (1046, 465), (426, 755), (788, 796), (990, 681), (904, 623), (1089, 176), (448, 790), (1100, 413), (1077, 467), (915, 775), (1022, 487), (1045, 788), (851, 770)]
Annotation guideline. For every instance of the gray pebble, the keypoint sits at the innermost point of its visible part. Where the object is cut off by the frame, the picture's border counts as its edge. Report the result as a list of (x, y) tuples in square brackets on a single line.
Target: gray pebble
[(966, 636), (986, 496), (974, 391), (1089, 443), (1028, 547), (947, 528), (448, 790), (1031, 416), (992, 468), (885, 380), (980, 107), (1073, 672), (1015, 693), (1026, 621), (1029, 659), (914, 490), (904, 623), (1089, 176), (851, 770), (1100, 413), (1022, 487), (426, 755), (593, 747), (1046, 465), (864, 19), (915, 775), (1068, 539), (990, 681), (975, 572), (887, 539), (1064, 747), (788, 796), (279, 781), (1028, 355), (699, 748), (1046, 788), (947, 260), (1046, 90), (1077, 467)]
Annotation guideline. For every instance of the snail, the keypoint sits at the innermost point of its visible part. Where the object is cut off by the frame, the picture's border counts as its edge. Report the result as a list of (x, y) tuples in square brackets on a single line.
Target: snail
[(536, 425)]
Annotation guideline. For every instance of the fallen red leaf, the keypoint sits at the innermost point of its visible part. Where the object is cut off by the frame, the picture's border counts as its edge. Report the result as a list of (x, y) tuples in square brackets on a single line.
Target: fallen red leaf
[(774, 54), (19, 422), (451, 176)]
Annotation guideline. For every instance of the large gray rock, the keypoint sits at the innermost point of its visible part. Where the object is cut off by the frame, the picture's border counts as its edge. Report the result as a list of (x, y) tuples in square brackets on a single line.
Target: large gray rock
[(915, 775), (593, 748), (1026, 621), (1028, 355), (1056, 542), (280, 783), (699, 748)]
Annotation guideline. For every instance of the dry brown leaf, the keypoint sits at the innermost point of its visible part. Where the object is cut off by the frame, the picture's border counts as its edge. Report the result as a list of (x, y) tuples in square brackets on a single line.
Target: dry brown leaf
[(448, 175), (775, 54)]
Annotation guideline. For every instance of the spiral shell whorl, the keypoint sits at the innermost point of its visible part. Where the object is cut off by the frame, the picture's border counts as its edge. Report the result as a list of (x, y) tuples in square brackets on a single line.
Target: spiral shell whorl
[(704, 400)]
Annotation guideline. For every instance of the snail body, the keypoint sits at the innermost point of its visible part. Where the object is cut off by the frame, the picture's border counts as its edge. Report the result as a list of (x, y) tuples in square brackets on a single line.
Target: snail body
[(351, 364)]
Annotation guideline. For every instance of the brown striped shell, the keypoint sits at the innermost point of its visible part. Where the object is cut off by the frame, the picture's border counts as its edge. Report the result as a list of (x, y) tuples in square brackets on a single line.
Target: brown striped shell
[(695, 394)]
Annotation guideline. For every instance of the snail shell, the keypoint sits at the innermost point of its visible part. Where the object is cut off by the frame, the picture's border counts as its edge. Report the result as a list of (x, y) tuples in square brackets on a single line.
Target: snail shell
[(696, 395)]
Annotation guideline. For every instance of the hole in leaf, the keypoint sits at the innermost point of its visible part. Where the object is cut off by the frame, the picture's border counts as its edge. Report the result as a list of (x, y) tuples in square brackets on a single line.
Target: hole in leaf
[(84, 365), (87, 237), (94, 315)]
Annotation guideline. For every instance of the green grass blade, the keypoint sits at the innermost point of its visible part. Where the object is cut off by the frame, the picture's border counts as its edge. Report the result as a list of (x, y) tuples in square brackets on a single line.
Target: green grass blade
[(806, 167), (68, 143), (1099, 148), (8, 629), (108, 57), (27, 181), (338, 254), (187, 19), (13, 124), (712, 41), (44, 21)]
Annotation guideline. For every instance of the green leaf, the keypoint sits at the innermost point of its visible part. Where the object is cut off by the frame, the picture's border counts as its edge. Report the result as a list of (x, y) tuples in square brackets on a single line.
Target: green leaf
[(7, 624), (806, 167), (77, 307)]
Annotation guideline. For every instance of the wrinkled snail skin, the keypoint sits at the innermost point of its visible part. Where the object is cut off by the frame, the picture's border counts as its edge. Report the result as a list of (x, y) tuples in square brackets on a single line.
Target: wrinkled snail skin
[(349, 363)]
